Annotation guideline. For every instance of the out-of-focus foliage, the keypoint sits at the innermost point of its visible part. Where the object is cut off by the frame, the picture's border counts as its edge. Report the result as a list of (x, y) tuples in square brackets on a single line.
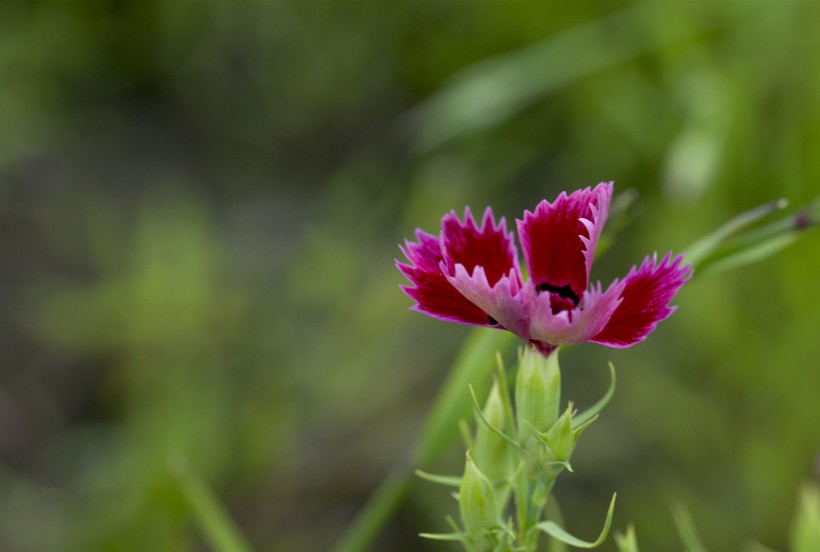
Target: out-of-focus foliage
[(199, 211), (805, 534)]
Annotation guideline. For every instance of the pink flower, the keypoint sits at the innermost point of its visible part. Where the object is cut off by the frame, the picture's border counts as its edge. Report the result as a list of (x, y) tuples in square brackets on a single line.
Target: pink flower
[(470, 274)]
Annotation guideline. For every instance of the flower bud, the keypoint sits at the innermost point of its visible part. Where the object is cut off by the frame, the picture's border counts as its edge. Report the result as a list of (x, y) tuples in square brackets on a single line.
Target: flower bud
[(561, 438), (537, 392), (490, 451), (478, 507)]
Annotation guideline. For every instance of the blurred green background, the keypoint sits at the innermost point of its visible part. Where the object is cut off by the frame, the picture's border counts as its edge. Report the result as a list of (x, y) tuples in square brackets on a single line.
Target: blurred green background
[(200, 206)]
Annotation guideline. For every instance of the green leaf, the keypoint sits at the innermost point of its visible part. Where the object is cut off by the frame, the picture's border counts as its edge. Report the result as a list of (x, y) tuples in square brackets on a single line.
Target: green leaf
[(561, 464), (444, 536), (747, 255), (805, 534), (557, 532), (686, 528), (553, 511), (492, 90), (474, 362), (596, 408), (447, 480), (376, 512), (504, 389), (804, 219), (217, 525), (627, 542), (466, 433), (721, 251), (705, 246)]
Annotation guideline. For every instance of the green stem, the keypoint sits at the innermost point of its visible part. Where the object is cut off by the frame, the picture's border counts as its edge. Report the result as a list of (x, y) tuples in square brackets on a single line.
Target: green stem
[(216, 524), (376, 512), (475, 360), (537, 496)]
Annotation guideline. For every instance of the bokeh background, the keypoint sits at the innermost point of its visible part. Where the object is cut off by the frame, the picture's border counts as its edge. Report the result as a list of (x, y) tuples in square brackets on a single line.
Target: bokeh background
[(200, 206)]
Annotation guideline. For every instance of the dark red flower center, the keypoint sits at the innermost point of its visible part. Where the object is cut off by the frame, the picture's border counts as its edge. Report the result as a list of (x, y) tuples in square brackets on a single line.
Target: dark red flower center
[(561, 297)]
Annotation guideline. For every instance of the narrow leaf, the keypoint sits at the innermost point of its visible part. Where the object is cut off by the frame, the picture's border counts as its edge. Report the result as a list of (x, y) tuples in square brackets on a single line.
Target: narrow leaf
[(593, 411), (553, 511), (627, 542), (705, 246), (504, 389), (447, 480), (217, 526), (580, 429), (686, 528), (747, 255), (562, 464), (466, 435), (805, 532), (557, 532), (756, 244), (494, 89), (473, 363), (444, 536)]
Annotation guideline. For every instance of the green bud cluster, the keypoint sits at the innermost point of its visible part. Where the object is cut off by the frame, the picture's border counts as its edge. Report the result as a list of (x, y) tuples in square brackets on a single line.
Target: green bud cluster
[(514, 459)]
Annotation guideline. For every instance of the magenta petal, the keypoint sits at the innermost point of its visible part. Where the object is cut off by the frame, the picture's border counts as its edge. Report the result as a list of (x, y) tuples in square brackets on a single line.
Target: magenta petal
[(577, 325), (488, 246), (595, 223), (559, 239), (431, 291), (426, 254), (646, 296), (505, 301)]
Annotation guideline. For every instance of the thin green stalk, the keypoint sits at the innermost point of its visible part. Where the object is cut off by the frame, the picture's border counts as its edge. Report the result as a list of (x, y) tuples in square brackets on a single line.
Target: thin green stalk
[(376, 512), (538, 495), (475, 360), (217, 526)]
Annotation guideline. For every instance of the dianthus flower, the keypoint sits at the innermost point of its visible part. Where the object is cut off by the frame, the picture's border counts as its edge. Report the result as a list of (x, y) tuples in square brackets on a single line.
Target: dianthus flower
[(470, 274)]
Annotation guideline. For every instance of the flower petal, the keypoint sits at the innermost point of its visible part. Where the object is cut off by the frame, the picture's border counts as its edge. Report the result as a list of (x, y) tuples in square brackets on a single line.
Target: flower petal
[(431, 291), (488, 246), (506, 301), (577, 325), (559, 239), (646, 296)]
